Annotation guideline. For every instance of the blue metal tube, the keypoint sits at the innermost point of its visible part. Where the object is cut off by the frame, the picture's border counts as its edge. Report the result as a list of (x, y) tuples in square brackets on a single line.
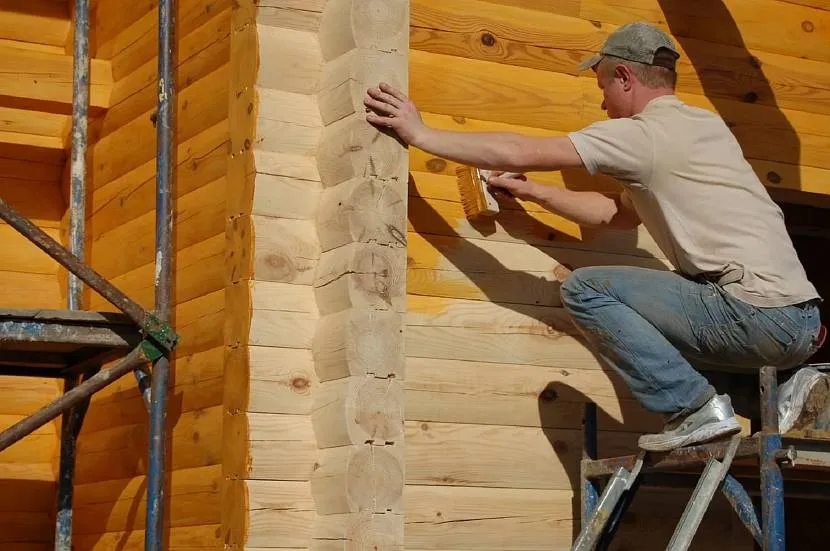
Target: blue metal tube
[(772, 480), (154, 534), (73, 418), (738, 497)]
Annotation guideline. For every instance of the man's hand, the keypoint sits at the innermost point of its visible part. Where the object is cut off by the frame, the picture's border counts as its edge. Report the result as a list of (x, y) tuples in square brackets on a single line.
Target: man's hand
[(390, 108), (516, 185)]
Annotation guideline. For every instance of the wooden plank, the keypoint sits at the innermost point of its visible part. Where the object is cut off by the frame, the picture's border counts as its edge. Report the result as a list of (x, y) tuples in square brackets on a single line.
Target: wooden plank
[(780, 28), (201, 160), (300, 64), (197, 386), (200, 52), (199, 271), (469, 344), (192, 16), (451, 391), (282, 380), (194, 500), (441, 517), (187, 538), (199, 215), (552, 42), (23, 290), (22, 495), (470, 88), (45, 207), (500, 456), (497, 271), (37, 448), (18, 254), (42, 80), (39, 22), (286, 250), (22, 121), (26, 527), (280, 512), (133, 144), (120, 452), (305, 16)]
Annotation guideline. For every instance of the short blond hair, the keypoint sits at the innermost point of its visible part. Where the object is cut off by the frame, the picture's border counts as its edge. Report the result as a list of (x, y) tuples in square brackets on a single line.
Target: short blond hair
[(651, 76)]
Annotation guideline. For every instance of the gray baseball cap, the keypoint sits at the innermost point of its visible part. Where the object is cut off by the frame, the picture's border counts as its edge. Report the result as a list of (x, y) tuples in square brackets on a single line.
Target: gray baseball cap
[(637, 41)]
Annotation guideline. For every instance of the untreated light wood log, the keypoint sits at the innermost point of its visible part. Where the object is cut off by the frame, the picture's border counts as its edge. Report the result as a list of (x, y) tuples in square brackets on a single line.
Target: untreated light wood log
[(298, 68), (285, 250), (361, 210), (359, 342), (352, 148), (366, 530), (352, 479), (361, 275), (346, 78), (357, 410), (349, 24)]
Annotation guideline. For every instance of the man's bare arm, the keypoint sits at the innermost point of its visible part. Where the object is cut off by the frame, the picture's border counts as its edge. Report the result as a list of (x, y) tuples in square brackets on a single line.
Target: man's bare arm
[(490, 150)]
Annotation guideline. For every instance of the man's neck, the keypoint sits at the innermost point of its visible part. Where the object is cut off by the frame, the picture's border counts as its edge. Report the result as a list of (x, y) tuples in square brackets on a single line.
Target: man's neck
[(646, 95)]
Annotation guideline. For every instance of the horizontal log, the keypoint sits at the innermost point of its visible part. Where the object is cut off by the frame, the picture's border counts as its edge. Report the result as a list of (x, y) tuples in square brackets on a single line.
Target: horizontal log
[(282, 14), (285, 197), (450, 391), (285, 250), (22, 290), (42, 81), (195, 538), (22, 495), (192, 16), (118, 453), (199, 215), (286, 165), (500, 456), (282, 380), (23, 123), (779, 28), (281, 512), (18, 254), (299, 65), (23, 20), (363, 530), (201, 53), (201, 160)]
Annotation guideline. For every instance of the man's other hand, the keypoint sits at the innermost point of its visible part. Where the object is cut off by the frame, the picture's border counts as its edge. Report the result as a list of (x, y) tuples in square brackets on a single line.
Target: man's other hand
[(390, 108), (509, 184)]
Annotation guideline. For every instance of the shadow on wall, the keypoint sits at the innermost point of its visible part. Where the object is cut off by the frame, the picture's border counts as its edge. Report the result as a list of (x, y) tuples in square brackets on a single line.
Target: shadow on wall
[(736, 75)]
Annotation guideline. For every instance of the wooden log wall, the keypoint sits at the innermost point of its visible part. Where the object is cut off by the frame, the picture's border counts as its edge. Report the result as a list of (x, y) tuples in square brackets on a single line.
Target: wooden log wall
[(110, 496), (33, 67), (496, 377), (316, 223)]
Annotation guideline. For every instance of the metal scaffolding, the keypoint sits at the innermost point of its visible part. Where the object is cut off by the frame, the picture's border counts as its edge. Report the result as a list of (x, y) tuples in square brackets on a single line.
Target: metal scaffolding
[(677, 469), (74, 345)]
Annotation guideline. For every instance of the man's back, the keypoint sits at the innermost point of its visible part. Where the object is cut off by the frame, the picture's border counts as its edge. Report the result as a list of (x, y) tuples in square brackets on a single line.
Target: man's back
[(699, 198)]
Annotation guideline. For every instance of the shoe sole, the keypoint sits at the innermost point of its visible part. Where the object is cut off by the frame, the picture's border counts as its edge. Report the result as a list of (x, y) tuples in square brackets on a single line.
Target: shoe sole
[(815, 403), (715, 431)]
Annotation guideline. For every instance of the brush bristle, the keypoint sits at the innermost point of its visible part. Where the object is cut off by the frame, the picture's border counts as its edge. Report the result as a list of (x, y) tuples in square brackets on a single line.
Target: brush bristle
[(472, 190)]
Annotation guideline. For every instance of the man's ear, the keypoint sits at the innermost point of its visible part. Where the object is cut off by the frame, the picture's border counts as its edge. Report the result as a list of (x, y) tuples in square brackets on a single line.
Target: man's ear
[(623, 73)]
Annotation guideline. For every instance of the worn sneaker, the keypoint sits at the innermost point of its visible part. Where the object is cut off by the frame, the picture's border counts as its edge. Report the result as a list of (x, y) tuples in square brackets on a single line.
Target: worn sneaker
[(714, 420), (802, 399)]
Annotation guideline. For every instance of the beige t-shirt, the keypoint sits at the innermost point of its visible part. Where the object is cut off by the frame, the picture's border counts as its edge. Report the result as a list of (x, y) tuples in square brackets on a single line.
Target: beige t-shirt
[(699, 198)]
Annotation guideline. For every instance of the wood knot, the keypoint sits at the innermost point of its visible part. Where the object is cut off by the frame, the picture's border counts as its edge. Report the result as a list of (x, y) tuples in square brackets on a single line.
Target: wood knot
[(459, 119), (750, 97), (773, 177), (552, 236), (250, 108), (807, 26), (154, 118), (424, 427), (299, 384), (436, 165), (488, 39), (597, 24), (247, 144), (548, 395)]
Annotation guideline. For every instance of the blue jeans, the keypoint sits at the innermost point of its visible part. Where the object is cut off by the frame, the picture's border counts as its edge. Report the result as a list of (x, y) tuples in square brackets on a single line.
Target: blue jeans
[(661, 331)]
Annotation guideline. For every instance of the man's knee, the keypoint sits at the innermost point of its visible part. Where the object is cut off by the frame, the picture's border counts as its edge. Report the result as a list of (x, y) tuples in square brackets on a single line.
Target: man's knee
[(581, 282)]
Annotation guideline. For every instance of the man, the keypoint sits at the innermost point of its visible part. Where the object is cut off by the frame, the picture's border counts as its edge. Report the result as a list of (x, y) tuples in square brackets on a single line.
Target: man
[(739, 299)]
